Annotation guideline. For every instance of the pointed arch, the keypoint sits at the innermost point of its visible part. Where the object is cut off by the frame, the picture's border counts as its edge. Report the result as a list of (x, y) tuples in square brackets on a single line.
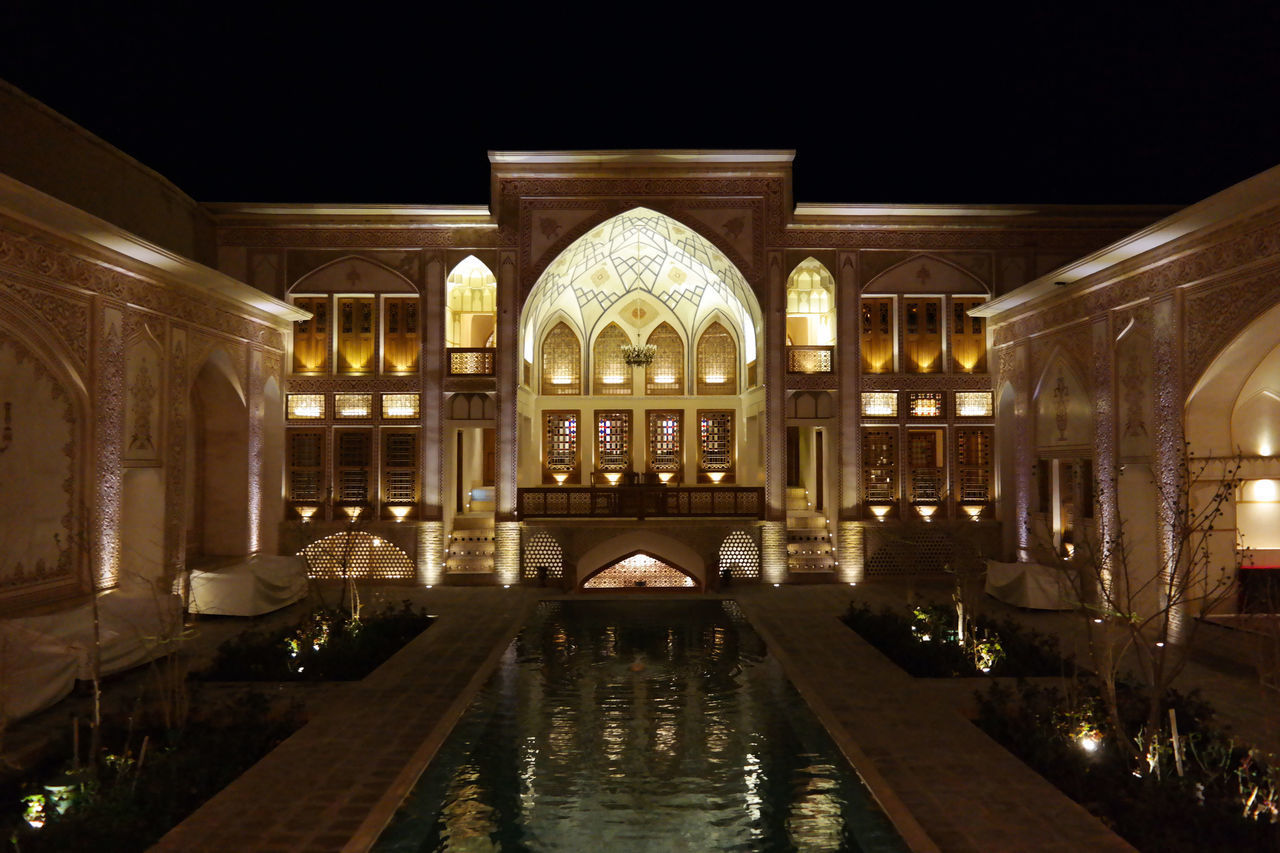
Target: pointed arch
[(640, 570), (716, 361), (925, 273), (561, 362), (1061, 401), (353, 274), (811, 304), (471, 302), (610, 373), (665, 374)]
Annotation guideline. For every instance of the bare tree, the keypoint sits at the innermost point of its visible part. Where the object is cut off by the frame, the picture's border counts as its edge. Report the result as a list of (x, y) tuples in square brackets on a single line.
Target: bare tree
[(1141, 605)]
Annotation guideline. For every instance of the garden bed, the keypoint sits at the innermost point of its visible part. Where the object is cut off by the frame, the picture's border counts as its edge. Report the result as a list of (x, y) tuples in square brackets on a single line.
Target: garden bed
[(325, 646), (925, 642), (1226, 797)]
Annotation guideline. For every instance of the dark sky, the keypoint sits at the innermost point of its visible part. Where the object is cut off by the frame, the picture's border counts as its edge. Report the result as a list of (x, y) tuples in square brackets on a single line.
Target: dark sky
[(1152, 106)]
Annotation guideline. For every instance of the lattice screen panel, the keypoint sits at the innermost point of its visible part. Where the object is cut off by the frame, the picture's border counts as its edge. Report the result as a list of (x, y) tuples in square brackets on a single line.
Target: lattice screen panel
[(560, 441), (306, 465), (879, 465), (925, 404), (968, 337), (877, 335), (311, 337), (740, 556), (561, 362), (879, 404), (715, 441), (353, 405), (353, 462), (666, 451), (400, 343), (923, 551), (543, 558), (302, 407), (640, 571), (665, 374), (613, 440), (355, 335), (610, 373), (973, 404), (356, 554), (973, 463), (400, 467), (400, 405), (717, 361)]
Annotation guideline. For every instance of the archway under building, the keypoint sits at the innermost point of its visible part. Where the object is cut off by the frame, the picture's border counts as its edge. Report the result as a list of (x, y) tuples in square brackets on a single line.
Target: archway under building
[(640, 571)]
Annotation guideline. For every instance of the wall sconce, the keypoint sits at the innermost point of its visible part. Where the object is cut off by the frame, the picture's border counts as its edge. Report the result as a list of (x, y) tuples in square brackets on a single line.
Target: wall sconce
[(306, 512), (715, 476), (926, 510), (399, 512), (560, 477), (665, 476), (974, 511), (613, 477), (880, 511), (353, 512)]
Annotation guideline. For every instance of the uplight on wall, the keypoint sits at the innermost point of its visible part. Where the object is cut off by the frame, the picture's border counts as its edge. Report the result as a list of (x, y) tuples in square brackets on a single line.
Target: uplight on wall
[(306, 512), (974, 511), (715, 476), (926, 511), (880, 511), (613, 477), (399, 512), (560, 477)]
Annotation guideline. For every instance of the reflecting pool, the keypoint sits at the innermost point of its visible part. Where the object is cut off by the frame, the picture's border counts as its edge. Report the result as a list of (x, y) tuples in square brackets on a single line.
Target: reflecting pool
[(639, 725)]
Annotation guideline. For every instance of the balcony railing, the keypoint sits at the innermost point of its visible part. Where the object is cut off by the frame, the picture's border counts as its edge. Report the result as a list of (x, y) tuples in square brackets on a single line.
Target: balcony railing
[(470, 361), (810, 359), (641, 502)]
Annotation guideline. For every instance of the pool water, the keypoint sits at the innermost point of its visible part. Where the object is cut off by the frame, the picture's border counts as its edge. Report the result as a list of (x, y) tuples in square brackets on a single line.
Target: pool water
[(634, 726)]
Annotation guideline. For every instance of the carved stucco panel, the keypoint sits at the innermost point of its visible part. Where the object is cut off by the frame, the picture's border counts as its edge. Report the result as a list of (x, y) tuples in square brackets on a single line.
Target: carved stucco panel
[(175, 524), (109, 424), (67, 316)]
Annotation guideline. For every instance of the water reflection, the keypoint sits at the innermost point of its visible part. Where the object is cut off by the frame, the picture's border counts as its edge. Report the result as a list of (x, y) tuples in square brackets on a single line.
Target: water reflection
[(643, 726)]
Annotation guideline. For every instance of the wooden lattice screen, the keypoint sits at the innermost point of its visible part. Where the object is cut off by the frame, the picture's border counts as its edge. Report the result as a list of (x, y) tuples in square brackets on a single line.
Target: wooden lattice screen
[(306, 465), (401, 344), (355, 335), (610, 373), (879, 465), (717, 362), (665, 442), (311, 337), (561, 362), (665, 374)]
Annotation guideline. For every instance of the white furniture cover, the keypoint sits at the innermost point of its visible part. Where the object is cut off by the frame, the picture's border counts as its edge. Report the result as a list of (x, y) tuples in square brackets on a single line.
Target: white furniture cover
[(1029, 585), (35, 671), (250, 588)]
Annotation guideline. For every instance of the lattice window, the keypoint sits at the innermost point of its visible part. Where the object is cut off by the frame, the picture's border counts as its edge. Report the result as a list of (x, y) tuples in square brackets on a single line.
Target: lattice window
[(666, 442), (642, 571), (400, 405), (879, 404), (401, 342), (973, 404), (973, 464), (306, 465), (354, 458), (665, 374), (543, 558), (877, 335), (715, 444), (922, 339), (717, 361), (311, 337), (353, 405), (302, 407), (355, 335), (474, 362), (924, 460), (968, 337), (400, 467), (918, 551), (561, 362), (925, 404), (739, 556), (610, 373), (880, 465), (613, 441), (811, 314), (357, 554), (560, 445)]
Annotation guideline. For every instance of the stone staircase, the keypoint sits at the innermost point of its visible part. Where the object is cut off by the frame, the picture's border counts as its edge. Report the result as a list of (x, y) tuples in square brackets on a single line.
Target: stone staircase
[(471, 544), (809, 551)]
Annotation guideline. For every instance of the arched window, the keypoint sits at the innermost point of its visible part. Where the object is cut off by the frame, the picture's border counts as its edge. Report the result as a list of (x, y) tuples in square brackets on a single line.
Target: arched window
[(811, 305), (543, 558), (470, 307), (610, 372), (717, 362), (665, 374), (561, 362)]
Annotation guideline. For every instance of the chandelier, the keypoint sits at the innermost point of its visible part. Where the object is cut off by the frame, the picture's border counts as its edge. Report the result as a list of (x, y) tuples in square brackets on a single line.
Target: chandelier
[(638, 355)]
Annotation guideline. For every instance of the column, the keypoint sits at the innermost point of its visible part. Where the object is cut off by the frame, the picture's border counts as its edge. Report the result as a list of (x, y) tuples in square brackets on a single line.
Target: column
[(773, 557), (848, 486), (506, 557)]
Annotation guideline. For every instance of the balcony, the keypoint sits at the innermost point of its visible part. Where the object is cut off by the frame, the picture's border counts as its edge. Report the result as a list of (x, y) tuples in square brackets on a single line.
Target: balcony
[(641, 502), (811, 367), (469, 361)]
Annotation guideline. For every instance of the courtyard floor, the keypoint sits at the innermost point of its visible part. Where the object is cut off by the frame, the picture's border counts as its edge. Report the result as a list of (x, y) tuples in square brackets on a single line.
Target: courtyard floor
[(335, 783)]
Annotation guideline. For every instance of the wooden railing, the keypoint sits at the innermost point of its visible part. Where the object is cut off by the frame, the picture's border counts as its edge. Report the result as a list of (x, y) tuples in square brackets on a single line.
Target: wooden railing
[(810, 359), (469, 361), (641, 502)]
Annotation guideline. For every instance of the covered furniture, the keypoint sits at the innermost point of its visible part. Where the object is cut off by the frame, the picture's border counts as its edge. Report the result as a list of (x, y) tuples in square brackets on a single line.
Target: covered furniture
[(1029, 585), (248, 587)]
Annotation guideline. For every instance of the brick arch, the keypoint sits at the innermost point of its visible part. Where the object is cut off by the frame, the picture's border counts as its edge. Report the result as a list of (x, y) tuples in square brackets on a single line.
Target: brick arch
[(621, 565)]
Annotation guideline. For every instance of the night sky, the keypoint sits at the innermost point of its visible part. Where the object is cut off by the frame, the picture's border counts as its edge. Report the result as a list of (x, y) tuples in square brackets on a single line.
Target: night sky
[(252, 105)]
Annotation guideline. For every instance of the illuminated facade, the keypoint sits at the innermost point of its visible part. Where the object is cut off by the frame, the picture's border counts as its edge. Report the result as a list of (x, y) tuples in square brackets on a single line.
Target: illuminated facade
[(626, 359)]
